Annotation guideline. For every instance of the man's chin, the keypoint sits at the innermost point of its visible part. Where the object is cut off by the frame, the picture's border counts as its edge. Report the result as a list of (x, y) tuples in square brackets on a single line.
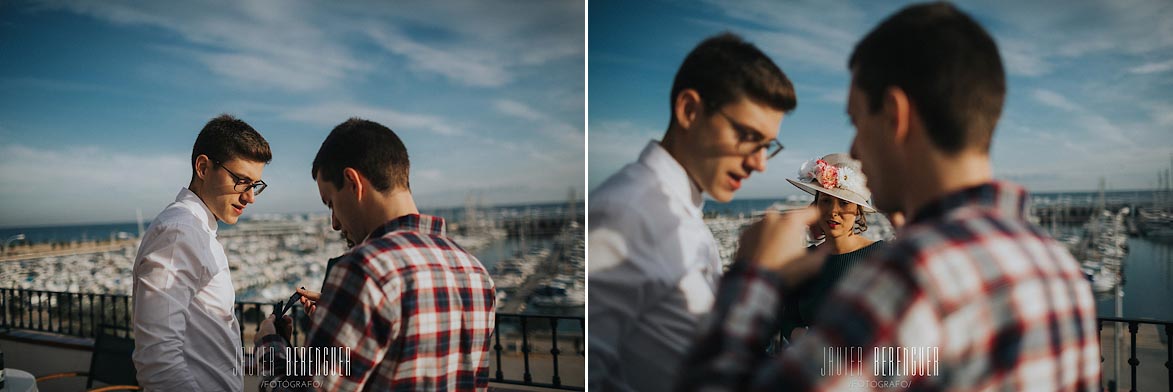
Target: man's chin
[(722, 196)]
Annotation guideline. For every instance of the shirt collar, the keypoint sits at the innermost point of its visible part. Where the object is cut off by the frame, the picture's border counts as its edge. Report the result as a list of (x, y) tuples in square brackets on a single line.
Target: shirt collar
[(425, 224), (1007, 199), (204, 214), (672, 174)]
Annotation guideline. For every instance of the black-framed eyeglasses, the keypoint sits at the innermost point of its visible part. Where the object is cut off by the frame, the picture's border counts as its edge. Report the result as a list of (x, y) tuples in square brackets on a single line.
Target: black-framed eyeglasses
[(243, 184), (748, 139)]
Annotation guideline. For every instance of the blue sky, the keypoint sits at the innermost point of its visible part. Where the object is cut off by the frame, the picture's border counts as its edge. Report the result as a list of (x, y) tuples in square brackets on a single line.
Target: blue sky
[(1090, 82), (100, 102)]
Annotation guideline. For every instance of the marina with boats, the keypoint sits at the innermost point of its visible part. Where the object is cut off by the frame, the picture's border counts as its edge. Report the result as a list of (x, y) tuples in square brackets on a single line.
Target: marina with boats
[(270, 255)]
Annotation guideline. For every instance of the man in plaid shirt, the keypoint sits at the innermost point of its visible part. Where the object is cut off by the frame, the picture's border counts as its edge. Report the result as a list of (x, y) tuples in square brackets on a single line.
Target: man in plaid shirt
[(414, 309), (968, 296)]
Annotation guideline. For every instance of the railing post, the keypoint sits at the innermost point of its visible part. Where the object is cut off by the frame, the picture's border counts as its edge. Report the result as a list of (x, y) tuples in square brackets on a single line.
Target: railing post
[(29, 308), (529, 379), (554, 349), (40, 312), (93, 314), (4, 307), (69, 312), (1169, 352), (56, 308), (257, 311), (126, 313), (81, 317), (101, 314), (1133, 327), (240, 320), (497, 347), (7, 311)]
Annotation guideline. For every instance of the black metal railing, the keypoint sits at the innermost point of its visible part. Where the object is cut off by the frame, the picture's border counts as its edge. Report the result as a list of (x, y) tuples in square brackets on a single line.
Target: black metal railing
[(518, 337), (73, 314), (1133, 360), (532, 335)]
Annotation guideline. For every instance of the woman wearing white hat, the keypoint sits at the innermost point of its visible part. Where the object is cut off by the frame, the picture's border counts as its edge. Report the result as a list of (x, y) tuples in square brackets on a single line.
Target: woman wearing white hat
[(842, 197)]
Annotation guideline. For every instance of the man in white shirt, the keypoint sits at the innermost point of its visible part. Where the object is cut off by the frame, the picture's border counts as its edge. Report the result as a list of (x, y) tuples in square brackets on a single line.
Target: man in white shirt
[(653, 262), (186, 335)]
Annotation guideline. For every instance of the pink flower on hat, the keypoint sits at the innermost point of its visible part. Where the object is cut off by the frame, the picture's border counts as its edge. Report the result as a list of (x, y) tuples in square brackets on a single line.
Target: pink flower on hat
[(828, 175)]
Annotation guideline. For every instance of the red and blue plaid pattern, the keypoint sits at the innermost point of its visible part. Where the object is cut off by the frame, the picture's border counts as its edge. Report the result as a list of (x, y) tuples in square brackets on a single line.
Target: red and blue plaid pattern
[(416, 310), (1006, 306)]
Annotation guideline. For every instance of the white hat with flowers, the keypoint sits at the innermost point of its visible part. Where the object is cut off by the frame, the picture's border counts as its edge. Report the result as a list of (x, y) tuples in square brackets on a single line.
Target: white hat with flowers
[(836, 175)]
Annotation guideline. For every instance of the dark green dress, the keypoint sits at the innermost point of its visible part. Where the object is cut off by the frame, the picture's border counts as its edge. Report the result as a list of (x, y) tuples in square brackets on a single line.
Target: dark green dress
[(806, 301)]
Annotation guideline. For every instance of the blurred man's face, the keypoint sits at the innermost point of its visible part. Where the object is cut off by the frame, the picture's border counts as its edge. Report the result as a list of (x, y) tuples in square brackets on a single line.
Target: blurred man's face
[(722, 146), (874, 148)]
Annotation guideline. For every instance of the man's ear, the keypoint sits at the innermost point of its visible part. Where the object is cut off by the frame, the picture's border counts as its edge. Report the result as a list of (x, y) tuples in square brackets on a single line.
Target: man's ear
[(353, 180), (686, 108), (898, 112), (202, 166)]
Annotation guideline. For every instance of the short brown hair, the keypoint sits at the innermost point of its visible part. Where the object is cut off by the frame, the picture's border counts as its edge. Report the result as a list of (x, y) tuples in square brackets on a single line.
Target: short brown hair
[(724, 68), (947, 64), (368, 147), (225, 138)]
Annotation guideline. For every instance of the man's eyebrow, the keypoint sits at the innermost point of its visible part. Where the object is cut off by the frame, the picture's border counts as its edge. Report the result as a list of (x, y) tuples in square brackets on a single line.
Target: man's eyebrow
[(761, 135), (250, 179)]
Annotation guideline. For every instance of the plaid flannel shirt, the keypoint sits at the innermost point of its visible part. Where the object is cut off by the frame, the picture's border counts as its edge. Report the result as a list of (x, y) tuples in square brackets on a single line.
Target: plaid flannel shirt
[(416, 310), (1005, 307)]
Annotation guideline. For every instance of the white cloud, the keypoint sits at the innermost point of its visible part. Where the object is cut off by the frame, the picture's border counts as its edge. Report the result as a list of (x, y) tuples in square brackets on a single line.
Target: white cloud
[(518, 109), (833, 27), (1022, 58), (331, 114), (1096, 127), (85, 181), (1162, 114), (467, 67), (791, 37), (493, 45), (428, 174), (547, 125), (1152, 67), (788, 48), (267, 43), (302, 46), (1060, 31), (1055, 100)]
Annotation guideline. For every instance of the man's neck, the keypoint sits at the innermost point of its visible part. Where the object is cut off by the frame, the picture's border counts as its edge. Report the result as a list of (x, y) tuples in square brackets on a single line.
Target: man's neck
[(938, 175), (672, 144), (391, 206), (197, 188)]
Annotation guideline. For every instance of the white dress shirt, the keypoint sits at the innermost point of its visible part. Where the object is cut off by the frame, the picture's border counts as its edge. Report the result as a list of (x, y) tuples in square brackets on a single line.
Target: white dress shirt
[(653, 273), (186, 337)]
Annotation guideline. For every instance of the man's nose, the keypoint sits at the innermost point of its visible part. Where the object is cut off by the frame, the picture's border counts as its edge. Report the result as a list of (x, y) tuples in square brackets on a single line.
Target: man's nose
[(757, 161), (334, 224), (248, 197)]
